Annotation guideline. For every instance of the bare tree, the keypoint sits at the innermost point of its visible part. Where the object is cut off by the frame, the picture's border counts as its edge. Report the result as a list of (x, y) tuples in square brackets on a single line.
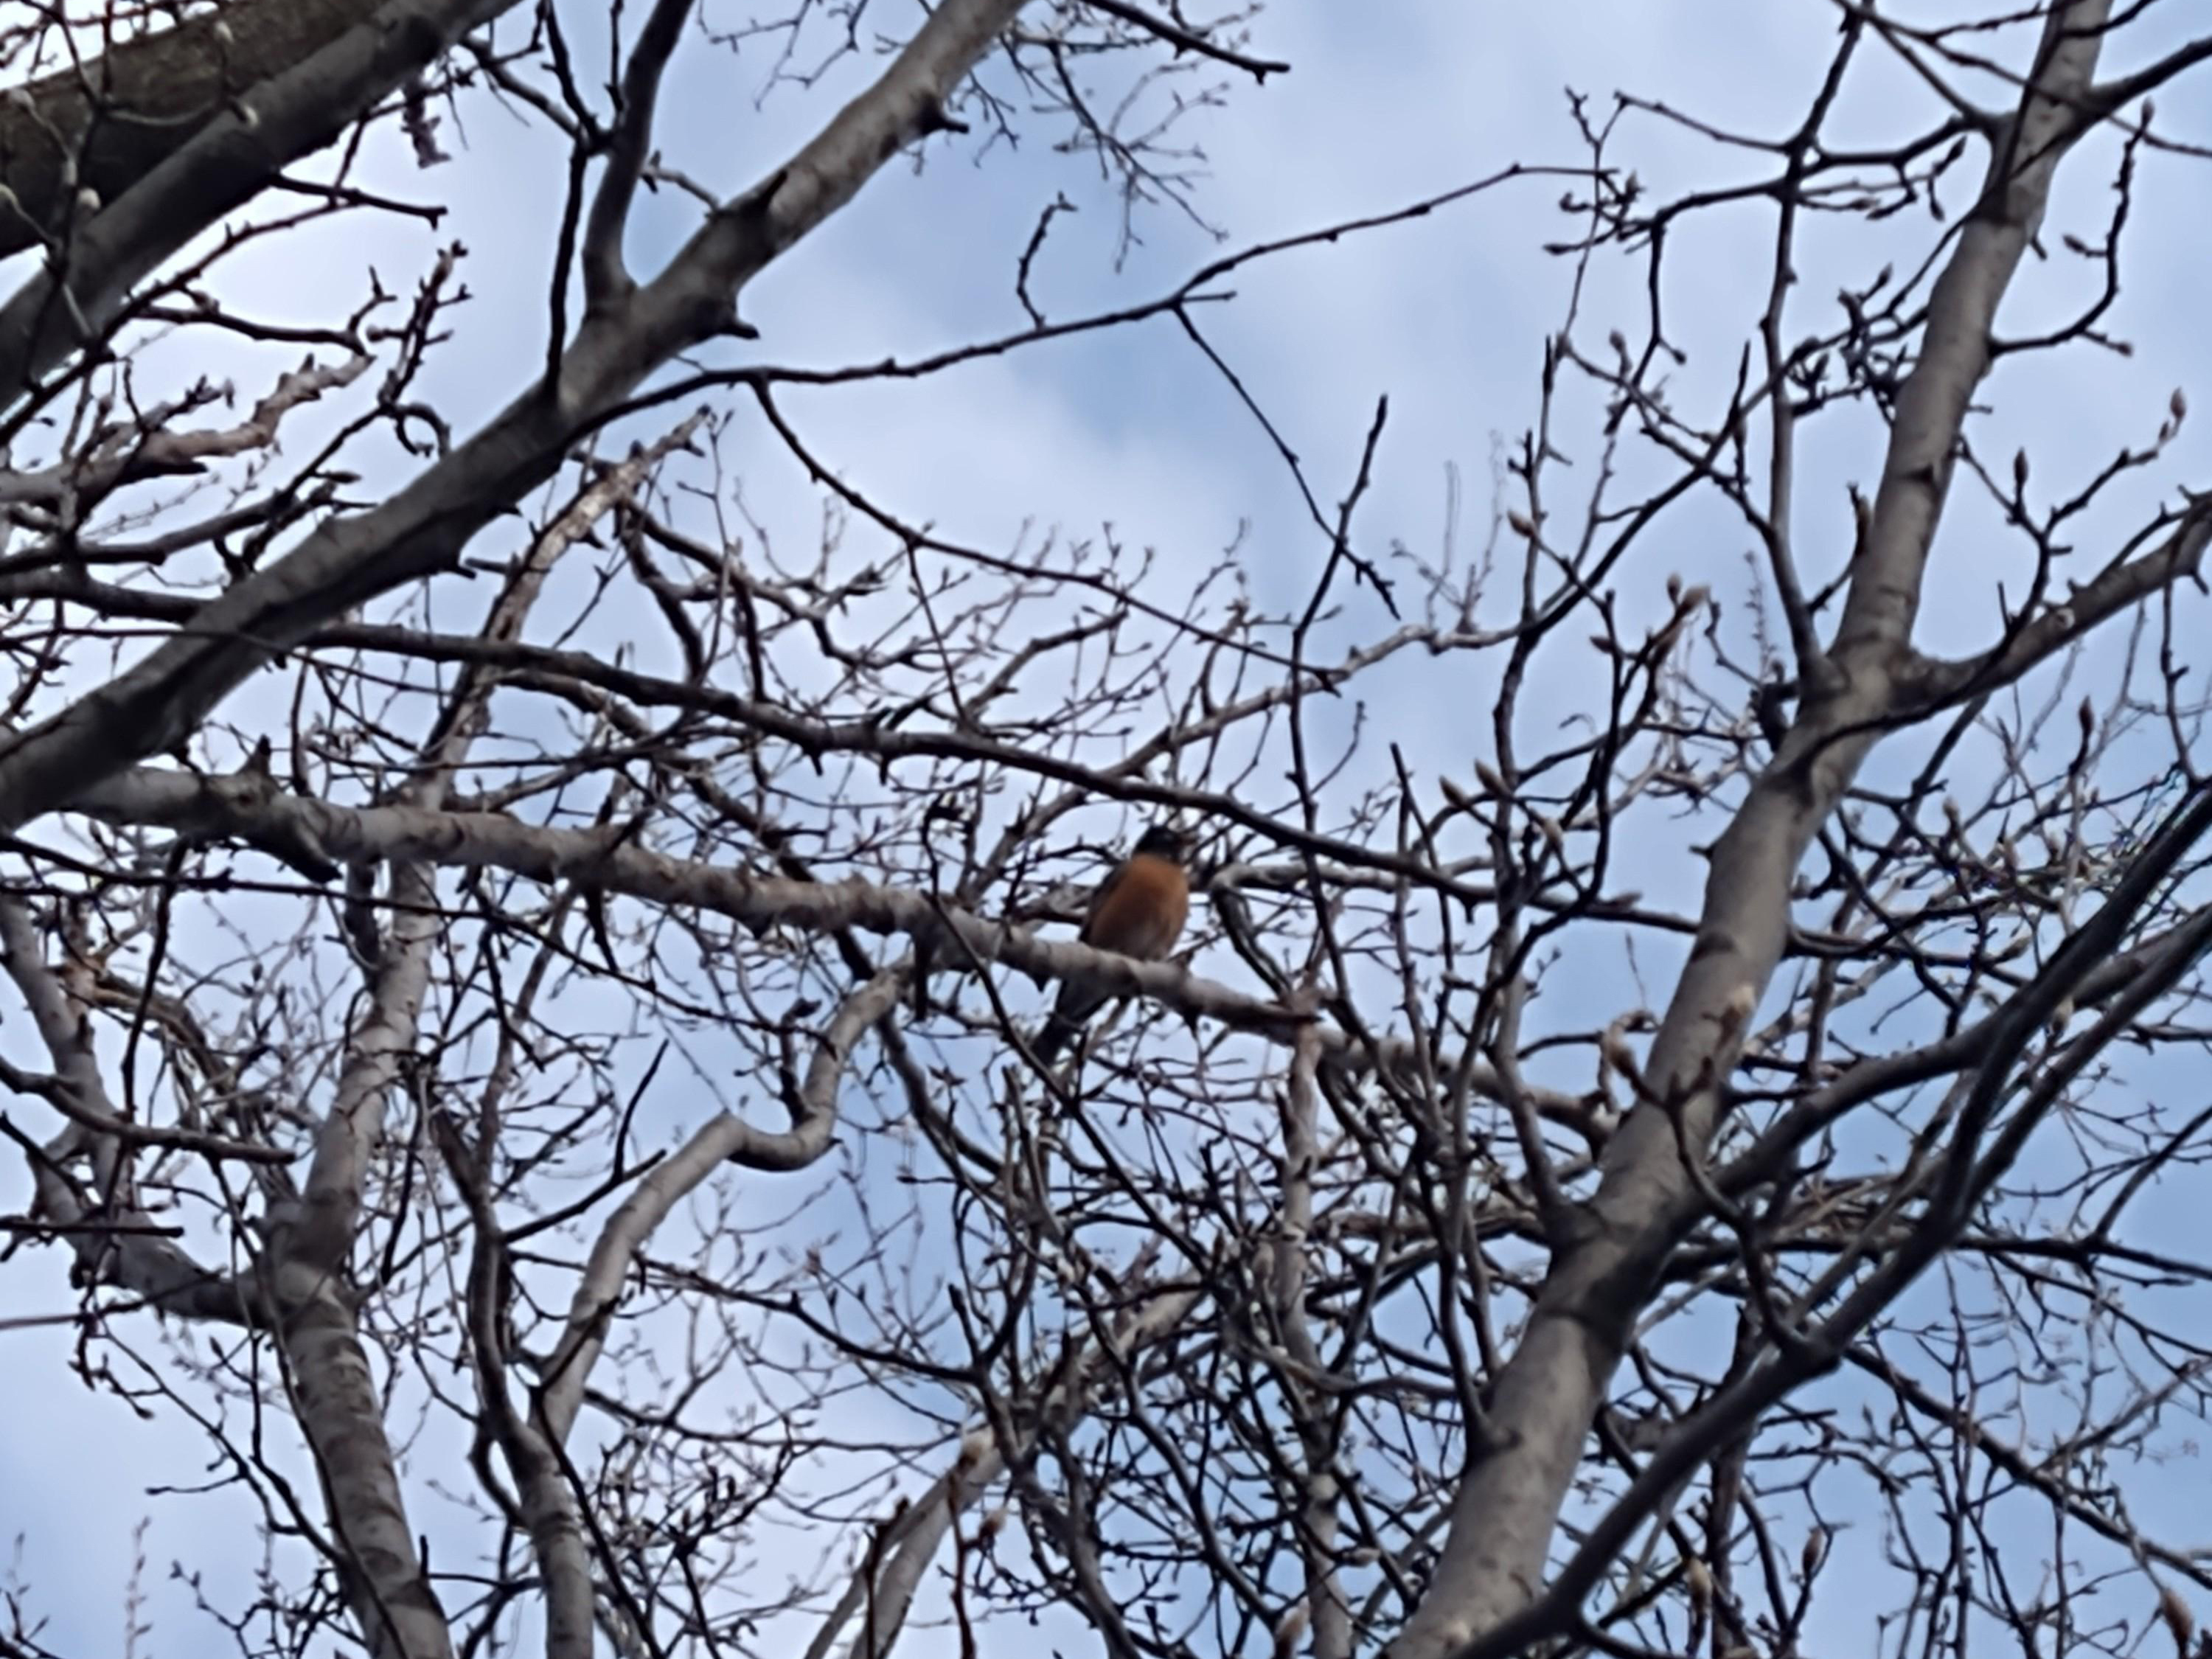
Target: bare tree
[(554, 1105)]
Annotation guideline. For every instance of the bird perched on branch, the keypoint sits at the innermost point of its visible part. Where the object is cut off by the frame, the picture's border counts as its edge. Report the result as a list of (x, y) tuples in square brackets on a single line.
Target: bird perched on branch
[(1138, 911), (1770, 706)]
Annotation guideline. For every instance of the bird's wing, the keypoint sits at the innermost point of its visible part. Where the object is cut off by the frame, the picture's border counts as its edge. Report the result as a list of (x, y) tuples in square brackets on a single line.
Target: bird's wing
[(1104, 890)]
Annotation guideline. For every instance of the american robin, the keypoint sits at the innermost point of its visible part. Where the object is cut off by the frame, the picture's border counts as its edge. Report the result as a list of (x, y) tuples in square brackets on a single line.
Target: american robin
[(1138, 911)]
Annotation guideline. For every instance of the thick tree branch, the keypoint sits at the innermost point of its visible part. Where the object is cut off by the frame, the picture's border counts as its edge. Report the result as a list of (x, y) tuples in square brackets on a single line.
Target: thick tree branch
[(723, 1138), (103, 125), (228, 162), (606, 859), (606, 277), (423, 527), (2118, 587)]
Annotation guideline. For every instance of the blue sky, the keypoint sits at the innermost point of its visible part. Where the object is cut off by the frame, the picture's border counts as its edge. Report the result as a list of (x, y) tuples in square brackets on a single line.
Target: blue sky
[(1387, 104)]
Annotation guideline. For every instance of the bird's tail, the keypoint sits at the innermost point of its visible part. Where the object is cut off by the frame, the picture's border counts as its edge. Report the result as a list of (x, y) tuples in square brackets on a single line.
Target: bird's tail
[(1055, 1035)]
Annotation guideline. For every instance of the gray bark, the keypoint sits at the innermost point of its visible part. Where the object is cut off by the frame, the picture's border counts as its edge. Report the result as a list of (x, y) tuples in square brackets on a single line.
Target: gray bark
[(228, 161), (104, 125)]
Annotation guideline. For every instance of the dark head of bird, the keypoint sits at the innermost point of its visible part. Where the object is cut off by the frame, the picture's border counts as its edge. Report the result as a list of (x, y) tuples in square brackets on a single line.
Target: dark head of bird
[(1165, 841)]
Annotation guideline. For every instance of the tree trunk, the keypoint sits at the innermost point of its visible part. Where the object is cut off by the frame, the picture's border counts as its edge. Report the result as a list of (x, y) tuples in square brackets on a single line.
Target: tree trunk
[(119, 114)]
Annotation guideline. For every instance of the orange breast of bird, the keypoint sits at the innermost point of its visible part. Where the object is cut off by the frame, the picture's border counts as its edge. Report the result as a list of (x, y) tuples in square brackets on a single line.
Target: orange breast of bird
[(1141, 911)]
